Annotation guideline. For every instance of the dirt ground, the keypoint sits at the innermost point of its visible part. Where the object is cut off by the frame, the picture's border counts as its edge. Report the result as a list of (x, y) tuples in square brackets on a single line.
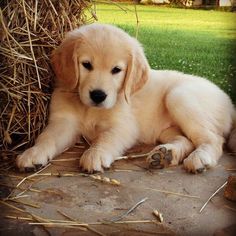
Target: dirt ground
[(176, 194)]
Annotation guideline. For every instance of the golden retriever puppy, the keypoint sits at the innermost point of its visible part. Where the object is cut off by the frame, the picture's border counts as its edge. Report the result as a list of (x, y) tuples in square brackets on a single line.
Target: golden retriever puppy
[(107, 92)]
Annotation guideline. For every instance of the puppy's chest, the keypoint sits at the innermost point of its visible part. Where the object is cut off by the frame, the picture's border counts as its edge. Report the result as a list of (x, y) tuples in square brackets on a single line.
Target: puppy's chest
[(91, 126)]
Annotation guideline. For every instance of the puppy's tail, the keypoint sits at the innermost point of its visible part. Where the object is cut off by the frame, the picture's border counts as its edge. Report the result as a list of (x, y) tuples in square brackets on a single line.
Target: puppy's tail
[(232, 137)]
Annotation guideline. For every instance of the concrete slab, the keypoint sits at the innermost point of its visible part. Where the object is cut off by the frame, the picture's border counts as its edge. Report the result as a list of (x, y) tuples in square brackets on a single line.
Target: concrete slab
[(173, 192)]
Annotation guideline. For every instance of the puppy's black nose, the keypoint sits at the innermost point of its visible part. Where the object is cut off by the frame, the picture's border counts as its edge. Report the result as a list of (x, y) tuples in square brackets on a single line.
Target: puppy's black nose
[(97, 96)]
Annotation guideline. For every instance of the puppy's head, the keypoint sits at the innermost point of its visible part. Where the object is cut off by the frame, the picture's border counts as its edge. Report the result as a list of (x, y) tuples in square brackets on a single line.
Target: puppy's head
[(102, 62)]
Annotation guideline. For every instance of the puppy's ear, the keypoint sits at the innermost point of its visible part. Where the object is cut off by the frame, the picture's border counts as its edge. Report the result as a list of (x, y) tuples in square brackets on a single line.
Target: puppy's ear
[(137, 73), (65, 64)]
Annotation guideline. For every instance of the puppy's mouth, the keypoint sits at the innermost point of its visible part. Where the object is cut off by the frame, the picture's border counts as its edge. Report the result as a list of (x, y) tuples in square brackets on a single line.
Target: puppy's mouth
[(100, 105)]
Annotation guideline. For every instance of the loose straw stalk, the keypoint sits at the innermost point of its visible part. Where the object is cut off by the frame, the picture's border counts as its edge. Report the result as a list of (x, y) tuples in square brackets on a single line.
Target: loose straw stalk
[(218, 190), (28, 37)]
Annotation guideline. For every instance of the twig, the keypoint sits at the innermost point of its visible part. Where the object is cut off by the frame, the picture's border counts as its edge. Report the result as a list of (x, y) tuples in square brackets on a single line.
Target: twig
[(33, 175), (117, 218), (61, 174), (88, 227), (66, 216), (95, 223), (222, 186), (35, 216), (11, 206), (59, 223), (64, 223), (174, 193), (123, 170), (35, 14), (95, 177), (19, 218), (25, 203), (70, 218), (16, 197), (132, 156)]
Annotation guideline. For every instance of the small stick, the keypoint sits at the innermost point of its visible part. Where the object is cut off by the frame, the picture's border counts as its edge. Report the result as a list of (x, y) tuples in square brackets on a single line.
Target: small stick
[(11, 206), (33, 175), (132, 156), (169, 192), (123, 170), (70, 218), (61, 175), (222, 186), (88, 227), (19, 218), (117, 218), (58, 223), (66, 216), (131, 222), (25, 203), (16, 197), (39, 218), (95, 223), (95, 177), (68, 223), (35, 14)]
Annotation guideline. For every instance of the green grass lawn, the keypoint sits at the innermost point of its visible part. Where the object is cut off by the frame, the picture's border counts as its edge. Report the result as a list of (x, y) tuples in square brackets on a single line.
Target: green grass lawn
[(199, 42)]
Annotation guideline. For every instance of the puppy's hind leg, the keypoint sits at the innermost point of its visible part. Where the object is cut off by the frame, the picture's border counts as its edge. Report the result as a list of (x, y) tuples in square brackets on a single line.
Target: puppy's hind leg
[(198, 122), (209, 150), (174, 148)]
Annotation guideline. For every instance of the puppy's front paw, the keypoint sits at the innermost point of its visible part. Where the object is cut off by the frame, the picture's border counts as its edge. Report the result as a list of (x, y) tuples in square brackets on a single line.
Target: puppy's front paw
[(32, 159), (94, 160)]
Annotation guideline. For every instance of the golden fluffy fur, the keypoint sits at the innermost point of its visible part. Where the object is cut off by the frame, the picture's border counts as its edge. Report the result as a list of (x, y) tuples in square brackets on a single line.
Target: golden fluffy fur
[(190, 116)]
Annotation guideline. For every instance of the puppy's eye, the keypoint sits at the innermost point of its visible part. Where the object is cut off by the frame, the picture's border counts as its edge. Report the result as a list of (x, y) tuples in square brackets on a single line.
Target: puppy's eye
[(115, 70), (87, 65)]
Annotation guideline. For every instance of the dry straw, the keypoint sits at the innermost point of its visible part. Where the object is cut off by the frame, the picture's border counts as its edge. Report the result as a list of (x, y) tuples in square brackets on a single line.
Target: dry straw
[(29, 31)]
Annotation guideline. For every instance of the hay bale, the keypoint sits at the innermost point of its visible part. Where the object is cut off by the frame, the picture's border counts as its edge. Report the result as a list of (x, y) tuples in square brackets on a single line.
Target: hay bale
[(29, 31)]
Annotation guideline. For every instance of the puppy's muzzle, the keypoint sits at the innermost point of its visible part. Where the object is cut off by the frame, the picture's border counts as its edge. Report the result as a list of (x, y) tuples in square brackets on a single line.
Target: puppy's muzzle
[(97, 96)]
